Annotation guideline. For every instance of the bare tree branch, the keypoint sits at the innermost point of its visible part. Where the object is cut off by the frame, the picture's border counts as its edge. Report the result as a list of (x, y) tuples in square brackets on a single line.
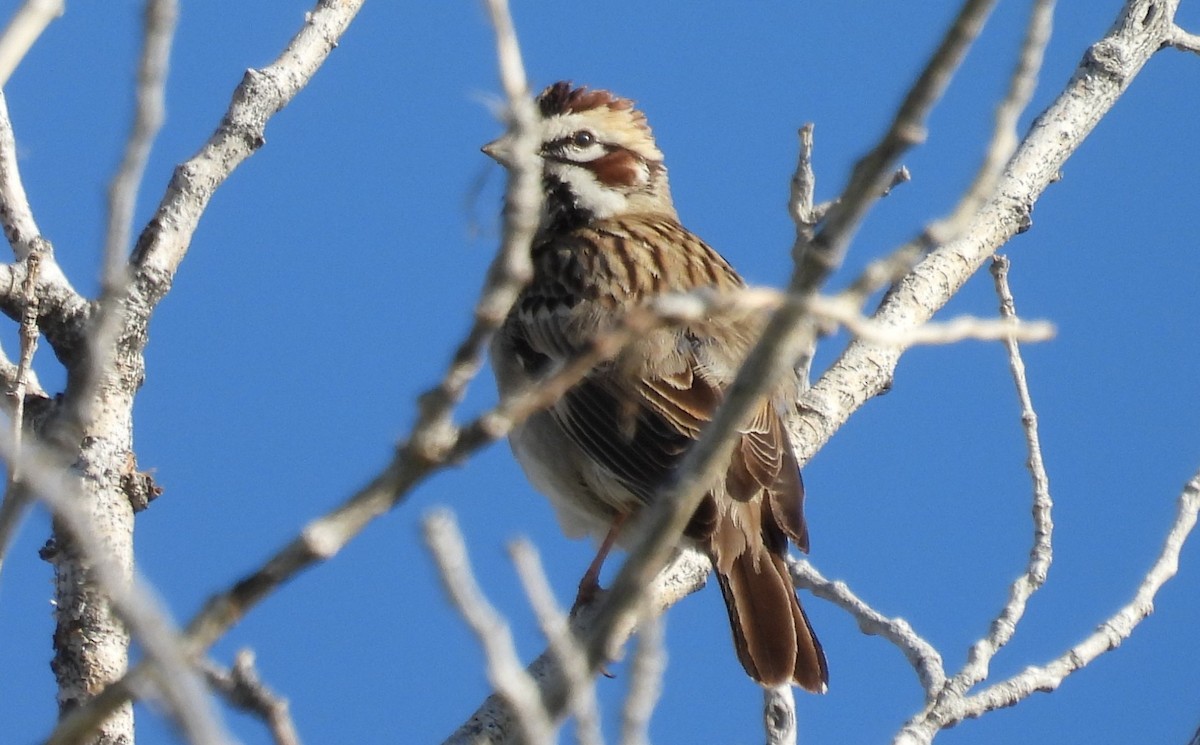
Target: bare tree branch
[(92, 435), (512, 267), (159, 18), (1041, 553), (130, 599), (645, 677), (244, 689), (556, 628), (504, 668), (1183, 40), (865, 368), (262, 93), (926, 661), (872, 174), (95, 432), (23, 29), (61, 309), (493, 721), (950, 695), (1109, 635), (15, 501), (779, 715)]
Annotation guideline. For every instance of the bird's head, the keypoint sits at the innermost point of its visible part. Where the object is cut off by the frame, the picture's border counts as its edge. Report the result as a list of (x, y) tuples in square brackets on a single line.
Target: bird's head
[(599, 156)]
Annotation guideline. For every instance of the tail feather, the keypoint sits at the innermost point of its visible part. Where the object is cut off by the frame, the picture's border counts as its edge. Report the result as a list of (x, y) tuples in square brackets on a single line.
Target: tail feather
[(771, 633)]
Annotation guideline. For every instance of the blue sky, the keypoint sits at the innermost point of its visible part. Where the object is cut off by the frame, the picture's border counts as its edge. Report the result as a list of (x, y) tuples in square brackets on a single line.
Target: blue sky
[(333, 273)]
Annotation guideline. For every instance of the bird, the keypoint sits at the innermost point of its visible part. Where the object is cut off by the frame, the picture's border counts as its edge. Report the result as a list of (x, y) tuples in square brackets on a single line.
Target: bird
[(609, 239)]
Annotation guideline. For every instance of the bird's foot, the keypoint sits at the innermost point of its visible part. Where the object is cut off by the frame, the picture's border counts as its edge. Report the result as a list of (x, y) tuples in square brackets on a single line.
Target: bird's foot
[(589, 590)]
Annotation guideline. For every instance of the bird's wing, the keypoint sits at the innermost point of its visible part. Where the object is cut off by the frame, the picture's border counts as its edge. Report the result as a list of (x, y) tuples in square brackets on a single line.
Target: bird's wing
[(617, 428), (640, 430)]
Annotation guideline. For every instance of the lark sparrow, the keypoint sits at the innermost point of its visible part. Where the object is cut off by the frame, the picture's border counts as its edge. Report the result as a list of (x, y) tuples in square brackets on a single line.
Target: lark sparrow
[(609, 240)]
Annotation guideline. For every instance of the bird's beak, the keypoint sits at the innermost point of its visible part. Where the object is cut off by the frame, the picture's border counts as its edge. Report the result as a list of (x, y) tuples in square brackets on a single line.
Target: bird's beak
[(500, 150), (495, 150)]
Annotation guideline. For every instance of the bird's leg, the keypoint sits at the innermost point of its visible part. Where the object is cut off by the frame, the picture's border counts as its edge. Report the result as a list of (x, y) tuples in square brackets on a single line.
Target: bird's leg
[(589, 585)]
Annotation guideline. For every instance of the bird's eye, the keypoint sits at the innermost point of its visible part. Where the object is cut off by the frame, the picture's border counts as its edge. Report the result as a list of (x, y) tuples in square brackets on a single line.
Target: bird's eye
[(583, 138)]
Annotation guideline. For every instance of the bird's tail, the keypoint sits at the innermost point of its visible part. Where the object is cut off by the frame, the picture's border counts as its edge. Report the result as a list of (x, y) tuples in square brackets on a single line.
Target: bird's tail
[(773, 638)]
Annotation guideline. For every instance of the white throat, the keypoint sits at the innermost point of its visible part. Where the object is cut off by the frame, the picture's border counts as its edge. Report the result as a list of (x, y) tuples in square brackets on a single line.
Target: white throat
[(601, 201)]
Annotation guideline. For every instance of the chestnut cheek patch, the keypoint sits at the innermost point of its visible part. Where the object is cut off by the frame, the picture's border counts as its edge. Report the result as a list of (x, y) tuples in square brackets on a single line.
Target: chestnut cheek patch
[(617, 168)]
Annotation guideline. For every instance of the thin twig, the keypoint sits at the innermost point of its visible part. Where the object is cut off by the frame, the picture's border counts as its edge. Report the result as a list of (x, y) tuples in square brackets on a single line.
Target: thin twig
[(262, 93), (1185, 41), (23, 29), (512, 267), (1109, 635), (493, 721), (923, 656), (562, 642), (505, 671), (159, 18), (645, 678), (243, 689), (61, 309), (950, 697), (843, 310), (8, 380), (865, 369), (15, 501), (112, 316), (1004, 140), (873, 173), (29, 339), (1041, 553), (806, 216), (804, 186)]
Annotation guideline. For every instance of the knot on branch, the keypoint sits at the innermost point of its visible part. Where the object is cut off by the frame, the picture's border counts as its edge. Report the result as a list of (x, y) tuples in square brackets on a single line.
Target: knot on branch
[(139, 486), (1110, 59), (256, 99)]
